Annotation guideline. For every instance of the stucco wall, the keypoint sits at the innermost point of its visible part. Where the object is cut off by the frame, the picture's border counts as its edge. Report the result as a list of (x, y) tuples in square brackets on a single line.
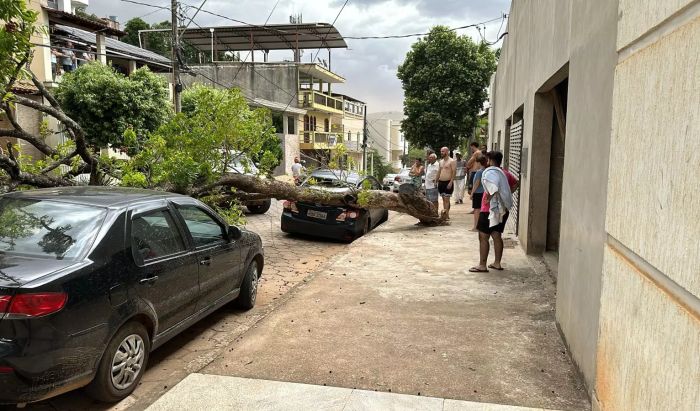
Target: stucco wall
[(649, 338), (273, 82), (543, 37)]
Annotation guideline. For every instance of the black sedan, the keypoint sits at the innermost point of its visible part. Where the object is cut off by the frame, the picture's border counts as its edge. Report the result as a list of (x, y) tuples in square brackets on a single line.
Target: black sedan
[(340, 223), (93, 279)]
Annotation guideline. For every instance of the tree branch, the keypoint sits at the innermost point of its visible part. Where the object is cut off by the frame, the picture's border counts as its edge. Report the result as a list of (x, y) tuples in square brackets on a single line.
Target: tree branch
[(21, 134), (409, 200), (63, 161)]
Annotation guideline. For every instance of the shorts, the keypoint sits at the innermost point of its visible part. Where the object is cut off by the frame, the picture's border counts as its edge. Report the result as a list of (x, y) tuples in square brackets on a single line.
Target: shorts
[(476, 200), (444, 190), (431, 194), (483, 224)]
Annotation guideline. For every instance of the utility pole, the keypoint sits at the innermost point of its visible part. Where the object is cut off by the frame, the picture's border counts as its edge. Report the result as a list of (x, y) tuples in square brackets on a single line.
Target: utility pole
[(177, 87), (371, 160)]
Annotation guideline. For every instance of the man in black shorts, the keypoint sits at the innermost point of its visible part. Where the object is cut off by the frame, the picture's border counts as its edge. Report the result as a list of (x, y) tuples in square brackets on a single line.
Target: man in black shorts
[(446, 179)]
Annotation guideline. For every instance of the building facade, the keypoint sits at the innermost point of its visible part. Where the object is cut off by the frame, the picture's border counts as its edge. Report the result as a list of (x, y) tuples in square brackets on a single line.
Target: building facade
[(386, 137), (595, 105)]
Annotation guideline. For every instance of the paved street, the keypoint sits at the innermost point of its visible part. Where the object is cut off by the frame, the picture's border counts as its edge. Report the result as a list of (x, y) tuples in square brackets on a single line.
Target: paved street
[(289, 261), (395, 312)]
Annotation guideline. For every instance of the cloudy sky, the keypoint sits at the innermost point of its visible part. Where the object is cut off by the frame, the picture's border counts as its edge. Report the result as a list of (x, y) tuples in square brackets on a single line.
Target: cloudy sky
[(369, 66)]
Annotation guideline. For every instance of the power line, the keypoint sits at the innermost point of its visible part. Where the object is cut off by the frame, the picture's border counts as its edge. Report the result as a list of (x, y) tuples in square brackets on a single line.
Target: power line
[(195, 15), (251, 51)]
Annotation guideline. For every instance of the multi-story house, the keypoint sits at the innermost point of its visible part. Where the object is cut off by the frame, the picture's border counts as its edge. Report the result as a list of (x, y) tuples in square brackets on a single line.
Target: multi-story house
[(386, 137), (311, 120), (64, 29)]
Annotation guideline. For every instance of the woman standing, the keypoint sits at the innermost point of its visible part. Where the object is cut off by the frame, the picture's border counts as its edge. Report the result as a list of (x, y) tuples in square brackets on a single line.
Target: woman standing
[(416, 173)]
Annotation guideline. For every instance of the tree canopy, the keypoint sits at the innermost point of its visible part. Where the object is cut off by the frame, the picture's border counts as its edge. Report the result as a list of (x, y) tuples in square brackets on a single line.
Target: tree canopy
[(107, 103), (445, 78)]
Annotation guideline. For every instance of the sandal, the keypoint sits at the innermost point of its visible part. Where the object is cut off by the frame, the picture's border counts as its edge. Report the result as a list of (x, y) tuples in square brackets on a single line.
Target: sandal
[(478, 270), (495, 268)]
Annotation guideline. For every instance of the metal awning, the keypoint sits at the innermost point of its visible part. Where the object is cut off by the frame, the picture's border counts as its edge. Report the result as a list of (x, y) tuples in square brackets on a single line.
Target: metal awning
[(265, 38), (275, 106), (116, 48)]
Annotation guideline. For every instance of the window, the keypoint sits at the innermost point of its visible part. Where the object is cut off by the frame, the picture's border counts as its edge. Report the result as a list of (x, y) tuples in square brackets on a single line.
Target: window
[(277, 122), (47, 229), (326, 125), (204, 229), (154, 235), (291, 125)]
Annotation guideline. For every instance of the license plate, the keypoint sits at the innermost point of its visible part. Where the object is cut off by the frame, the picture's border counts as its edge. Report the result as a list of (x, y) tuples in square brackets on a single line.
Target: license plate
[(317, 214)]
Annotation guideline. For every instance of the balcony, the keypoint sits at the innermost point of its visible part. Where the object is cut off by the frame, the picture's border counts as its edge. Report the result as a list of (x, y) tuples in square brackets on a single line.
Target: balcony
[(319, 140), (315, 100)]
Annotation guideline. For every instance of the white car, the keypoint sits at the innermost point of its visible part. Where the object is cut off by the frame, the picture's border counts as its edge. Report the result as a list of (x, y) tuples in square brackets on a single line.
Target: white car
[(401, 178), (388, 181)]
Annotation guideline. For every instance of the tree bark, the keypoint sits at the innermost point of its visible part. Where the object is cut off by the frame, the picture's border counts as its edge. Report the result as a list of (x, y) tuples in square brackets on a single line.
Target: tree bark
[(409, 200)]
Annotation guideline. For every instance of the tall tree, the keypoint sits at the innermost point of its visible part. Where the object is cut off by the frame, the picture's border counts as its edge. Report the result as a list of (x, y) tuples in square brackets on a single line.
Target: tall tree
[(445, 78), (107, 103), (132, 28)]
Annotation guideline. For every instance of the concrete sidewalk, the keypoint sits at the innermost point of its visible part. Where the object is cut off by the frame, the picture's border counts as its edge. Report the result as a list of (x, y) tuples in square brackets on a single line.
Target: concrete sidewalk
[(400, 312), (212, 392)]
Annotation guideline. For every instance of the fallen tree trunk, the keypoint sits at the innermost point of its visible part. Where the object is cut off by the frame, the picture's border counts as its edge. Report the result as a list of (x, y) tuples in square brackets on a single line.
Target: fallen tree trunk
[(410, 200)]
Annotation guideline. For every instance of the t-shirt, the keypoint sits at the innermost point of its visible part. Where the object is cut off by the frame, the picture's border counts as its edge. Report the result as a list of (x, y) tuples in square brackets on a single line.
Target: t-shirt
[(477, 176), (67, 58), (296, 169), (512, 182), (431, 173)]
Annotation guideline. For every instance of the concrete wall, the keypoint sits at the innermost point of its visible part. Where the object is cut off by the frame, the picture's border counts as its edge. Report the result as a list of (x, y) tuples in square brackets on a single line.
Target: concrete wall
[(275, 82), (548, 41), (649, 340)]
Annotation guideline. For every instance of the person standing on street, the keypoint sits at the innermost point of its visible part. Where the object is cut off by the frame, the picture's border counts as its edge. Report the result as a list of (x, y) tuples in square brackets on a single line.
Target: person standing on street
[(416, 173), (460, 179), (472, 165), (495, 205), (297, 169), (432, 171), (478, 190), (446, 179)]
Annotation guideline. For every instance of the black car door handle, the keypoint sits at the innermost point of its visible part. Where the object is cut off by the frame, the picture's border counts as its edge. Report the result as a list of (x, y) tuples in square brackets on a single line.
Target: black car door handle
[(205, 261), (149, 280)]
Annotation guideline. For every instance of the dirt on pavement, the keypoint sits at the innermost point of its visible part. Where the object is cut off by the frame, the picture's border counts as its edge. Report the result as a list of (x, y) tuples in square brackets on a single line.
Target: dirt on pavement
[(400, 312)]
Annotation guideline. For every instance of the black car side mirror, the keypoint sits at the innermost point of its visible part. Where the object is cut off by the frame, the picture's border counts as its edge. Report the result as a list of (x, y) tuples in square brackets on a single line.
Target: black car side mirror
[(234, 233)]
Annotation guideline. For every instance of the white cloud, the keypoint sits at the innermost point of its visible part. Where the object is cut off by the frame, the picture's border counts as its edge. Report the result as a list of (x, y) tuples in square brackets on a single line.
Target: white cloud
[(369, 66)]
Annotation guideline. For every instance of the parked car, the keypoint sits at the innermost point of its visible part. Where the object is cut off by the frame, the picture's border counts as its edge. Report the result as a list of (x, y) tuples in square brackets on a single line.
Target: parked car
[(242, 165), (342, 223), (388, 181), (401, 178), (92, 279)]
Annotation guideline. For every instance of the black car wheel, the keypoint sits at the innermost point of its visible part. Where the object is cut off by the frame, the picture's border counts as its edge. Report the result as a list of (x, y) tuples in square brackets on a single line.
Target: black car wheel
[(249, 288), (260, 209), (122, 364)]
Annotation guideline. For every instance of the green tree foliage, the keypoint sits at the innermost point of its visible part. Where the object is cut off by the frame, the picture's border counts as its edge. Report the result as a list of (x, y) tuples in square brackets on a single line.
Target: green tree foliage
[(413, 153), (197, 146), (132, 28), (106, 103), (15, 33), (445, 77)]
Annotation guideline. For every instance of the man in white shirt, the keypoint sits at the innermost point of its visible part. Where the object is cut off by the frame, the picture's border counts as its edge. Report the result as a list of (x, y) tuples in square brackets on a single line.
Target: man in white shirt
[(297, 169), (432, 169)]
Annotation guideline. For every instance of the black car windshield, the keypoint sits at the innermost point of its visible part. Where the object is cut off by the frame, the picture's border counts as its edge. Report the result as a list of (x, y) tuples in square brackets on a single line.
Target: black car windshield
[(332, 179), (49, 229)]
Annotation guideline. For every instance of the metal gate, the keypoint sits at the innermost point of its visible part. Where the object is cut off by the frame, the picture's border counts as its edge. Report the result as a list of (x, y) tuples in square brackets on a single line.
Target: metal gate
[(515, 147)]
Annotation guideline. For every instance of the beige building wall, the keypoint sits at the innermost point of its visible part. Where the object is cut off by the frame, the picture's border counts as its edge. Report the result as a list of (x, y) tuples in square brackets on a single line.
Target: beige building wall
[(628, 283), (649, 341)]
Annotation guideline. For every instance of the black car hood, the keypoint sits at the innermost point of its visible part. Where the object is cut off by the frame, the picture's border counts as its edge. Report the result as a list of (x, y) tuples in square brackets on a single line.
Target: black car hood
[(16, 271)]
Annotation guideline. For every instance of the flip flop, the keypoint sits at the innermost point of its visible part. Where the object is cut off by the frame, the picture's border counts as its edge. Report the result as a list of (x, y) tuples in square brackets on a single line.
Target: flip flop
[(477, 270), (496, 268)]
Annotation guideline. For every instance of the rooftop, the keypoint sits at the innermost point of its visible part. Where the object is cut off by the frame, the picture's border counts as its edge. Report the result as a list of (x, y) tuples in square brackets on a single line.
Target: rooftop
[(115, 48), (73, 20), (266, 38)]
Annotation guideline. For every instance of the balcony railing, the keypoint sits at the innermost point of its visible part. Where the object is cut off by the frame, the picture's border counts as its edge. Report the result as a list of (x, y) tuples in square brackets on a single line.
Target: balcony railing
[(319, 101), (319, 140)]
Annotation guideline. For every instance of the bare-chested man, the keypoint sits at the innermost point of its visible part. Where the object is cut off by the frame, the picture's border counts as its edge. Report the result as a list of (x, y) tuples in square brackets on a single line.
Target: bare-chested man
[(446, 178)]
